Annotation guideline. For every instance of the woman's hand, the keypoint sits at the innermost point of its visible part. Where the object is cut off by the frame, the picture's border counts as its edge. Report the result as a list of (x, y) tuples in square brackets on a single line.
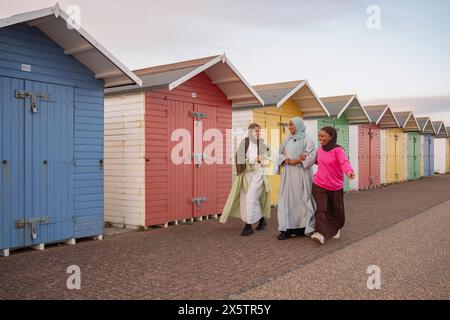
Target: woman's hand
[(303, 157), (351, 175)]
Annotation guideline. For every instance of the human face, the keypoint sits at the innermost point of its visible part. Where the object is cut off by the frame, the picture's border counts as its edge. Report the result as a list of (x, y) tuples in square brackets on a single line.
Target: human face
[(324, 138), (292, 128), (256, 133)]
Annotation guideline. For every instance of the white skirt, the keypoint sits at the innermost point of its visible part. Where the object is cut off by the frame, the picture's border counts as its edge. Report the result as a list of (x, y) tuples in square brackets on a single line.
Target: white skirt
[(251, 211)]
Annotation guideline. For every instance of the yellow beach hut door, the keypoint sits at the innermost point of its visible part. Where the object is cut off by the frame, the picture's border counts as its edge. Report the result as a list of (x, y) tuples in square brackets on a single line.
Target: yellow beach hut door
[(273, 127)]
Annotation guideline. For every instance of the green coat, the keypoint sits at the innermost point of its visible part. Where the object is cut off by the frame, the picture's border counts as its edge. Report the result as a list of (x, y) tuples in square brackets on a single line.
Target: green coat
[(232, 206)]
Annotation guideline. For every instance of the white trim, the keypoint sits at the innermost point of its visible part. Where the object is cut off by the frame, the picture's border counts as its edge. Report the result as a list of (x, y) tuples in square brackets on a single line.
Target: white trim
[(382, 115), (346, 106), (290, 94), (439, 130), (362, 107), (253, 91), (195, 72), (115, 83), (100, 48), (432, 125), (353, 97), (28, 16), (318, 99), (415, 120), (395, 118), (222, 58), (393, 114), (406, 121), (422, 130), (58, 12)]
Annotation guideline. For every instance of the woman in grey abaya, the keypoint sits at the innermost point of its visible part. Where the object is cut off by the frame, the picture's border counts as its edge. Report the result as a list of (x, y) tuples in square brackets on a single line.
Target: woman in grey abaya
[(296, 206)]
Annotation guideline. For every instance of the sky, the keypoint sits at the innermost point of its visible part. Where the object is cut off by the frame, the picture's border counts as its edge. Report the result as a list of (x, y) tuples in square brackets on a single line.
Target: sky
[(405, 62)]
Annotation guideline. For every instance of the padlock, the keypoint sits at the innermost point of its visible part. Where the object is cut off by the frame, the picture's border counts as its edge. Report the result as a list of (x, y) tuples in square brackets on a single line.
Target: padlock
[(34, 232)]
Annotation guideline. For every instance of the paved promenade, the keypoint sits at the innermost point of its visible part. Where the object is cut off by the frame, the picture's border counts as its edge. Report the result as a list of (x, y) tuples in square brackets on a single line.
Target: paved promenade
[(401, 228)]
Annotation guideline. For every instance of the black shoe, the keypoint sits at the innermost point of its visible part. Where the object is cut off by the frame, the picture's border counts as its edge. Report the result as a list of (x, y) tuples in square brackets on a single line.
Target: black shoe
[(248, 231), (283, 235), (262, 224), (298, 232)]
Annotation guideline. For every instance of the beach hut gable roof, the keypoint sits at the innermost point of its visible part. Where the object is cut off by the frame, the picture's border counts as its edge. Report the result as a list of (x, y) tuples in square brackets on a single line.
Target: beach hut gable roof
[(382, 115), (218, 68), (440, 129), (348, 105), (58, 26), (426, 125), (407, 121), (300, 91)]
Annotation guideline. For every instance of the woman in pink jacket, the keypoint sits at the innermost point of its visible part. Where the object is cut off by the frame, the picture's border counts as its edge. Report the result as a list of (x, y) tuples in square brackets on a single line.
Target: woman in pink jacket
[(328, 187)]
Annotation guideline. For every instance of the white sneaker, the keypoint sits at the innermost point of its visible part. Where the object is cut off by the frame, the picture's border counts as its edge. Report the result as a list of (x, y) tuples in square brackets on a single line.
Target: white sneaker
[(318, 237), (338, 234)]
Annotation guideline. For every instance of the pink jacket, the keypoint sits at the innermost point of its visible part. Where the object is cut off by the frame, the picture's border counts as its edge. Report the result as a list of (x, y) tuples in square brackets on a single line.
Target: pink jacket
[(331, 168)]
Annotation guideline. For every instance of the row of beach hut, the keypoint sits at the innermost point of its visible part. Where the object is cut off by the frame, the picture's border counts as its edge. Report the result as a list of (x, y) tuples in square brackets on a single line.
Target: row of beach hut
[(84, 140)]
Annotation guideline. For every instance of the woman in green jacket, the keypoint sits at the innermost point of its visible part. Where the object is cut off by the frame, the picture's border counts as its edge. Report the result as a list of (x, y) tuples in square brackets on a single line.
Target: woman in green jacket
[(249, 198)]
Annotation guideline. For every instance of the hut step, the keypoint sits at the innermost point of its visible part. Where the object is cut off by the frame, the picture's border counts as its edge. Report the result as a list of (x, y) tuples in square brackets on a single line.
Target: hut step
[(71, 242), (99, 237), (39, 247)]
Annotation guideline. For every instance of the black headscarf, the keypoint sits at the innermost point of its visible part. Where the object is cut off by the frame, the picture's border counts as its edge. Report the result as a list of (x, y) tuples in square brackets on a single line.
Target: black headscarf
[(333, 142)]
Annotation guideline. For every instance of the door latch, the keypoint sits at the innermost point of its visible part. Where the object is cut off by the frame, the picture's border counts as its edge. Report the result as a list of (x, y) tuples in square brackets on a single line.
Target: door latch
[(198, 202), (21, 94), (198, 115), (33, 224), (283, 125)]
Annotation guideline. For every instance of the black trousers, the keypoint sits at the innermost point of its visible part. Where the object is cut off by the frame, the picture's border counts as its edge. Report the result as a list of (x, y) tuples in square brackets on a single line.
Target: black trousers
[(330, 212)]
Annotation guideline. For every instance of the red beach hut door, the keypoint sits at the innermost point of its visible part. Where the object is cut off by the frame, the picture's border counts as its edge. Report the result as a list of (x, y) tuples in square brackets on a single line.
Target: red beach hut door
[(205, 166), (364, 157), (180, 175)]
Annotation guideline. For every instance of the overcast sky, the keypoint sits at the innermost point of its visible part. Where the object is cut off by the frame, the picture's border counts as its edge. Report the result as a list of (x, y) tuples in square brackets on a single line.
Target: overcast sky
[(405, 63)]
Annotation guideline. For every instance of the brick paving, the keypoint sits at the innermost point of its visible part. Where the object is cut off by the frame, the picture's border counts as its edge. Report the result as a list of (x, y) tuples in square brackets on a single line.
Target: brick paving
[(206, 260), (413, 257)]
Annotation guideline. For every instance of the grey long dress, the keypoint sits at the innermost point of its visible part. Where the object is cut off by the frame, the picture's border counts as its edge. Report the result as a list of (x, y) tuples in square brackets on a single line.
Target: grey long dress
[(296, 206)]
